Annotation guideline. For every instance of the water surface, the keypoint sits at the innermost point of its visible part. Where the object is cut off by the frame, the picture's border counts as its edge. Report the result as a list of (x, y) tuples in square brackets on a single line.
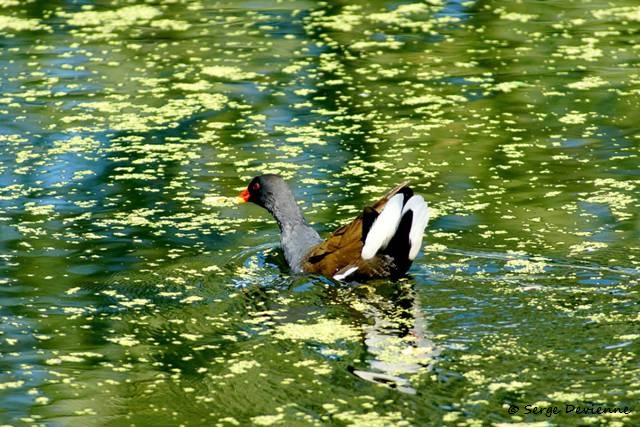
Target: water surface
[(134, 292)]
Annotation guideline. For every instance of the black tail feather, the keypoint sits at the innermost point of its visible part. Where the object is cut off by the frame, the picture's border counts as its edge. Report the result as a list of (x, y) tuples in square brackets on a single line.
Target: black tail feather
[(399, 246), (369, 216)]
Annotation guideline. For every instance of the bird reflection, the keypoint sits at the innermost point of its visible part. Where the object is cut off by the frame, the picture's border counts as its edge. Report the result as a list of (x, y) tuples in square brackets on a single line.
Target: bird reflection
[(397, 339)]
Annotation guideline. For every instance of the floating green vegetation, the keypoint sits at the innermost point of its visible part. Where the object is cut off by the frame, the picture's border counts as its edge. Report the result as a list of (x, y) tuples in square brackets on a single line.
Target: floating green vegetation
[(133, 289), (325, 331)]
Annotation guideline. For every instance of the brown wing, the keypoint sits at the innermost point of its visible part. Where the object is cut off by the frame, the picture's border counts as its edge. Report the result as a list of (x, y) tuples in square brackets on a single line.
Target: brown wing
[(344, 246)]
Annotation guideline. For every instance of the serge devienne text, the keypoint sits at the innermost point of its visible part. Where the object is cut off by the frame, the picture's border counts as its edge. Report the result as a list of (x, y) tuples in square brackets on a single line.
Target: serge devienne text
[(568, 409)]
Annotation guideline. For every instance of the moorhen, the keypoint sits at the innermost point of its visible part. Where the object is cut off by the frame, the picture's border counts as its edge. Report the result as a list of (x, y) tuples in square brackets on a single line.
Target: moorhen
[(382, 242)]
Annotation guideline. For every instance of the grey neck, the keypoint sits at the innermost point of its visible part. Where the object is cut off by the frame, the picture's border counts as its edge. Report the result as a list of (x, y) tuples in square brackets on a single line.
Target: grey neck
[(286, 212), (296, 236)]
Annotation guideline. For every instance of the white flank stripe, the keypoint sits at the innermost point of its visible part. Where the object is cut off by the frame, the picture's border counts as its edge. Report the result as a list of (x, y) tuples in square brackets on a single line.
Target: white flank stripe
[(384, 227), (345, 274), (418, 223)]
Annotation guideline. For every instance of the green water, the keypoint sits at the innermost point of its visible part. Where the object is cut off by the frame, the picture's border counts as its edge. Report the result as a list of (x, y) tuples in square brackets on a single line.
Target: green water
[(134, 292)]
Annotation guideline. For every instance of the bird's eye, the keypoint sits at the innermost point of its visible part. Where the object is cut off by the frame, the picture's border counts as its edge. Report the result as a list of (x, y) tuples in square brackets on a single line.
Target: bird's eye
[(255, 186)]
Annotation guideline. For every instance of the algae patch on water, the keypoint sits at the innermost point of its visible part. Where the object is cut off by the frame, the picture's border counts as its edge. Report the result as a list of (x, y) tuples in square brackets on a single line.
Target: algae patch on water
[(323, 330)]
